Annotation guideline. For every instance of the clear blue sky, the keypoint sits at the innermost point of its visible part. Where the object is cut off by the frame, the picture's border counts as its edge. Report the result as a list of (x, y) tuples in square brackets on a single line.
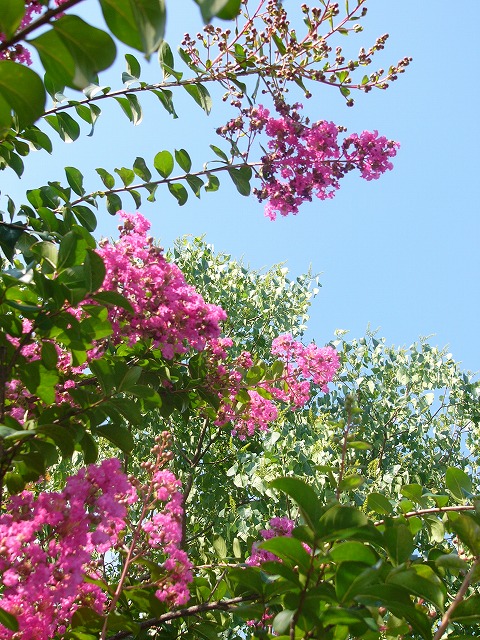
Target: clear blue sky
[(400, 253)]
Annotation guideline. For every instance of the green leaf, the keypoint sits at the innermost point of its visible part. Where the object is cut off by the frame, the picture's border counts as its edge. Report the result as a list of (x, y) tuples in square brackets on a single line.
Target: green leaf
[(219, 153), (165, 59), (114, 203), (183, 159), (95, 267), (11, 17), (304, 496), (107, 178), (164, 163), (220, 547), (117, 435), (141, 169), (213, 183), (86, 217), (281, 622), (399, 542), (165, 97), (468, 611), (67, 128), (179, 192), (354, 552), (135, 108), (290, 550), (467, 530), (137, 198), (458, 483), (121, 21), (72, 251), (396, 600), (127, 175), (75, 180), (195, 183), (241, 179), (201, 96), (359, 445), (23, 91), (49, 355), (351, 482), (224, 9), (7, 619), (61, 436), (89, 448), (39, 380), (133, 66), (9, 235), (112, 298), (379, 503), (352, 578), (150, 18), (422, 581), (341, 522), (38, 139), (452, 562), (91, 50)]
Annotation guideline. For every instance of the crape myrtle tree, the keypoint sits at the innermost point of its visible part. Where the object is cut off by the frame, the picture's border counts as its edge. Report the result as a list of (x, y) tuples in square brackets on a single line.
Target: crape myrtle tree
[(174, 461)]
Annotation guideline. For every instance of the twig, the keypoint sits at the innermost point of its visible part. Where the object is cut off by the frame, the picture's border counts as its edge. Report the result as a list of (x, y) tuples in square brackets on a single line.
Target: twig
[(422, 512), (219, 605), (456, 601)]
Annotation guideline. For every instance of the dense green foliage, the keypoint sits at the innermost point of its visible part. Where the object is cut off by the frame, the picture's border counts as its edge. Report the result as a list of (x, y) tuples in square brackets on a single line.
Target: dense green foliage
[(379, 476)]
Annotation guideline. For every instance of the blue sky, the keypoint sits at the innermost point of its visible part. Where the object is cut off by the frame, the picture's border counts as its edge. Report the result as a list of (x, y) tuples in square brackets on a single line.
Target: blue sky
[(401, 253)]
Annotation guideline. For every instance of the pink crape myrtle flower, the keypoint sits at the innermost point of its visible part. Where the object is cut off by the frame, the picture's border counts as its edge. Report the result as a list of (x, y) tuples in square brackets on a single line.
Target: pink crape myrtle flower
[(47, 543), (164, 531), (305, 160), (278, 527), (166, 310)]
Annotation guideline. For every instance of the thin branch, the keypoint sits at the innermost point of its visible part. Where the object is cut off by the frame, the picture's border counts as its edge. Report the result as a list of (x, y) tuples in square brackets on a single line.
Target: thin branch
[(456, 601), (422, 512), (45, 19), (134, 187), (219, 605)]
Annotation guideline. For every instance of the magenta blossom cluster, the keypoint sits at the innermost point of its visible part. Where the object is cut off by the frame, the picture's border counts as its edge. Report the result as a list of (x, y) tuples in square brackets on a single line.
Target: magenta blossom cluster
[(226, 381), (303, 365), (278, 527), (18, 52), (167, 310), (164, 531), (46, 548), (306, 161)]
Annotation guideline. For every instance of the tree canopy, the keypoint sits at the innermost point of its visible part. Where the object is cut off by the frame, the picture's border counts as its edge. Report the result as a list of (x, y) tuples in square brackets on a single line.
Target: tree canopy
[(175, 462)]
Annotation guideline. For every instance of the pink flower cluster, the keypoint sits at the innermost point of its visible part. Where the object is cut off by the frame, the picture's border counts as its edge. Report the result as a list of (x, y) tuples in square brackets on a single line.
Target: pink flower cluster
[(164, 531), (246, 417), (167, 310), (17, 52), (47, 543), (303, 365), (278, 527), (304, 161)]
